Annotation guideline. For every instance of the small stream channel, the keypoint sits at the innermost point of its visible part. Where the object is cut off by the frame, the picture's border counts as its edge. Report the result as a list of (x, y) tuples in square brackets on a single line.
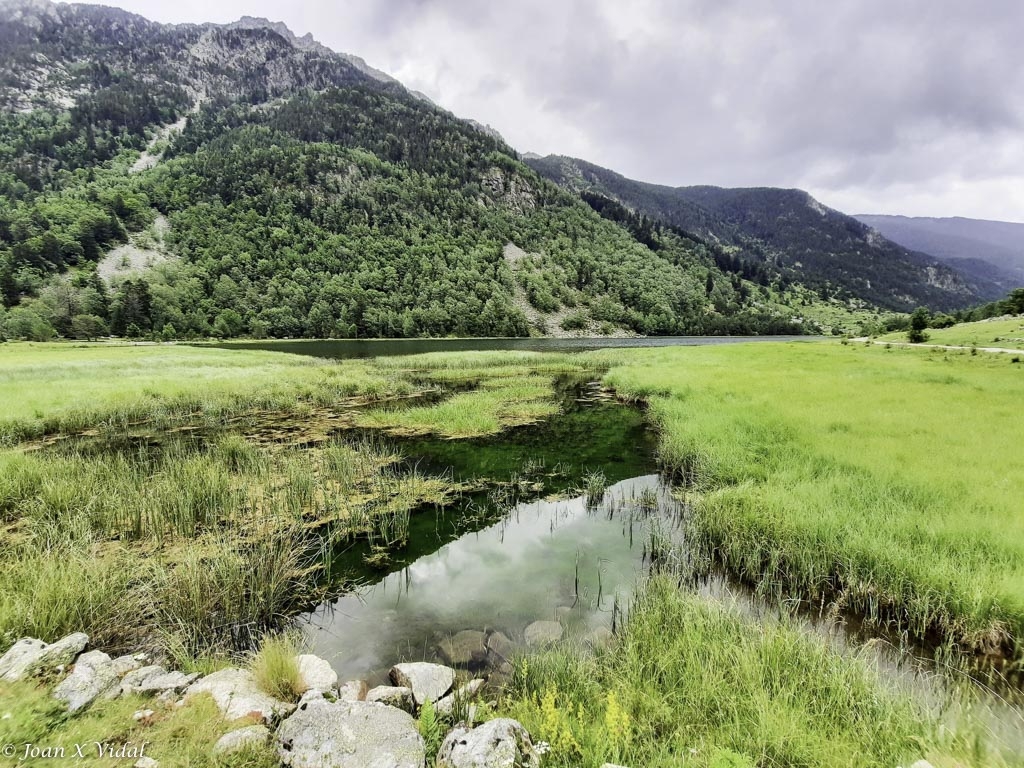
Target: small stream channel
[(534, 547)]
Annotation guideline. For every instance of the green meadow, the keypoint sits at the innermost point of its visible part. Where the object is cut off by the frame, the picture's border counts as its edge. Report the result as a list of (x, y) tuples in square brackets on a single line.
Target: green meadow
[(885, 479), (198, 492), (1005, 332)]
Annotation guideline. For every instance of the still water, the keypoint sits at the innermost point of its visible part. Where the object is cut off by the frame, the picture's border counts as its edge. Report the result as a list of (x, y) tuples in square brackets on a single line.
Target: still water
[(350, 348)]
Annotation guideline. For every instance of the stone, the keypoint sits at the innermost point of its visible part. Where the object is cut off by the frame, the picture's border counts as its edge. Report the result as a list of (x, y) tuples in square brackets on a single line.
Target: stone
[(236, 741), (543, 633), (429, 682), (499, 743), (316, 674), (463, 648), (94, 673), (236, 694), (349, 734), (394, 696), (146, 762), (153, 680), (611, 765), (464, 694), (599, 637), (353, 690), (499, 646), (922, 764), (142, 715), (29, 656), (563, 612)]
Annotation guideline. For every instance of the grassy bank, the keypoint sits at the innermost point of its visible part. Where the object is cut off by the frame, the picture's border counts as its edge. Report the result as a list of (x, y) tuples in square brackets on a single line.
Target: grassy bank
[(690, 683), (1007, 333), (888, 480)]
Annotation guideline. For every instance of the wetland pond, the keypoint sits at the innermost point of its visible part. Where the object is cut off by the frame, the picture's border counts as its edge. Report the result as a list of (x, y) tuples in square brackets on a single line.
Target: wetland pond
[(570, 515)]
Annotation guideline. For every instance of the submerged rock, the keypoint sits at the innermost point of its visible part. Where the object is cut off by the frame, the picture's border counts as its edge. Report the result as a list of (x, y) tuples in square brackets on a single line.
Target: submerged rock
[(463, 648), (429, 682), (29, 656), (543, 633), (500, 743), (235, 741), (394, 696), (500, 646), (349, 734), (237, 695), (600, 637), (317, 674)]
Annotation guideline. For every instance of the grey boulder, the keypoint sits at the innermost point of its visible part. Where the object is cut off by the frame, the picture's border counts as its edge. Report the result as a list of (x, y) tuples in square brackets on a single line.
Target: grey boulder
[(94, 673), (464, 695), (543, 633), (500, 743), (236, 694), (463, 648), (394, 696), (349, 734), (353, 690), (317, 674), (429, 682), (29, 656), (243, 738)]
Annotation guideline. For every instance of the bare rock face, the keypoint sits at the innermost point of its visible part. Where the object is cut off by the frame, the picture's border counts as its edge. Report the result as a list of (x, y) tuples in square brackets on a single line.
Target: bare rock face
[(543, 633), (500, 743), (237, 695), (500, 647), (316, 673), (394, 696), (463, 648), (349, 734), (429, 682), (29, 656)]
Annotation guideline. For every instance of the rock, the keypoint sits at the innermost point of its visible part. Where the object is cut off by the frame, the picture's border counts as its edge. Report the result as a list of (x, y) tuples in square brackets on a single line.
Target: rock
[(394, 696), (353, 690), (463, 648), (155, 680), (600, 637), (611, 765), (500, 743), (563, 612), (142, 714), (543, 633), (146, 762), (500, 646), (922, 764), (350, 734), (235, 741), (428, 681), (237, 695), (317, 674), (94, 673), (464, 694), (29, 656)]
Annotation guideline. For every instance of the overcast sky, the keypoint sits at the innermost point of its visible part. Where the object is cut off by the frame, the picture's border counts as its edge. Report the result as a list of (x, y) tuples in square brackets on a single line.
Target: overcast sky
[(874, 106)]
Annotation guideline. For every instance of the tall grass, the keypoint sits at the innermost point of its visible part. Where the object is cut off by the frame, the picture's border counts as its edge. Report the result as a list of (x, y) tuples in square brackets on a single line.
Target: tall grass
[(886, 479), (276, 668), (690, 682)]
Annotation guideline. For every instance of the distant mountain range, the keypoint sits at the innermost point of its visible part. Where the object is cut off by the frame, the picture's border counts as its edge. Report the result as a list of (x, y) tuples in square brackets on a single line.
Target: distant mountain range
[(790, 230), (989, 253)]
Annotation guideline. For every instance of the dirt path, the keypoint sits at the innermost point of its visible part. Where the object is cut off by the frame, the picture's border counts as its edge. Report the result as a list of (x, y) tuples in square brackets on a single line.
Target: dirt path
[(996, 350)]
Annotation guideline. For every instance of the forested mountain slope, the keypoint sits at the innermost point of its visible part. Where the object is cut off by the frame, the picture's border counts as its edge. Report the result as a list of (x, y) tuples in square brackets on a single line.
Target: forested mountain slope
[(987, 251), (789, 231), (305, 194)]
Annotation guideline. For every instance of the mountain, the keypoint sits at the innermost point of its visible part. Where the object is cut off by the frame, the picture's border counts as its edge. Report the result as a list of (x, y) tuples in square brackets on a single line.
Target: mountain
[(788, 230), (188, 180), (989, 252)]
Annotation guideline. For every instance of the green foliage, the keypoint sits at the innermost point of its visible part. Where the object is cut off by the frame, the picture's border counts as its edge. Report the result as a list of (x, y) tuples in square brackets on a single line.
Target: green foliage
[(430, 729)]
